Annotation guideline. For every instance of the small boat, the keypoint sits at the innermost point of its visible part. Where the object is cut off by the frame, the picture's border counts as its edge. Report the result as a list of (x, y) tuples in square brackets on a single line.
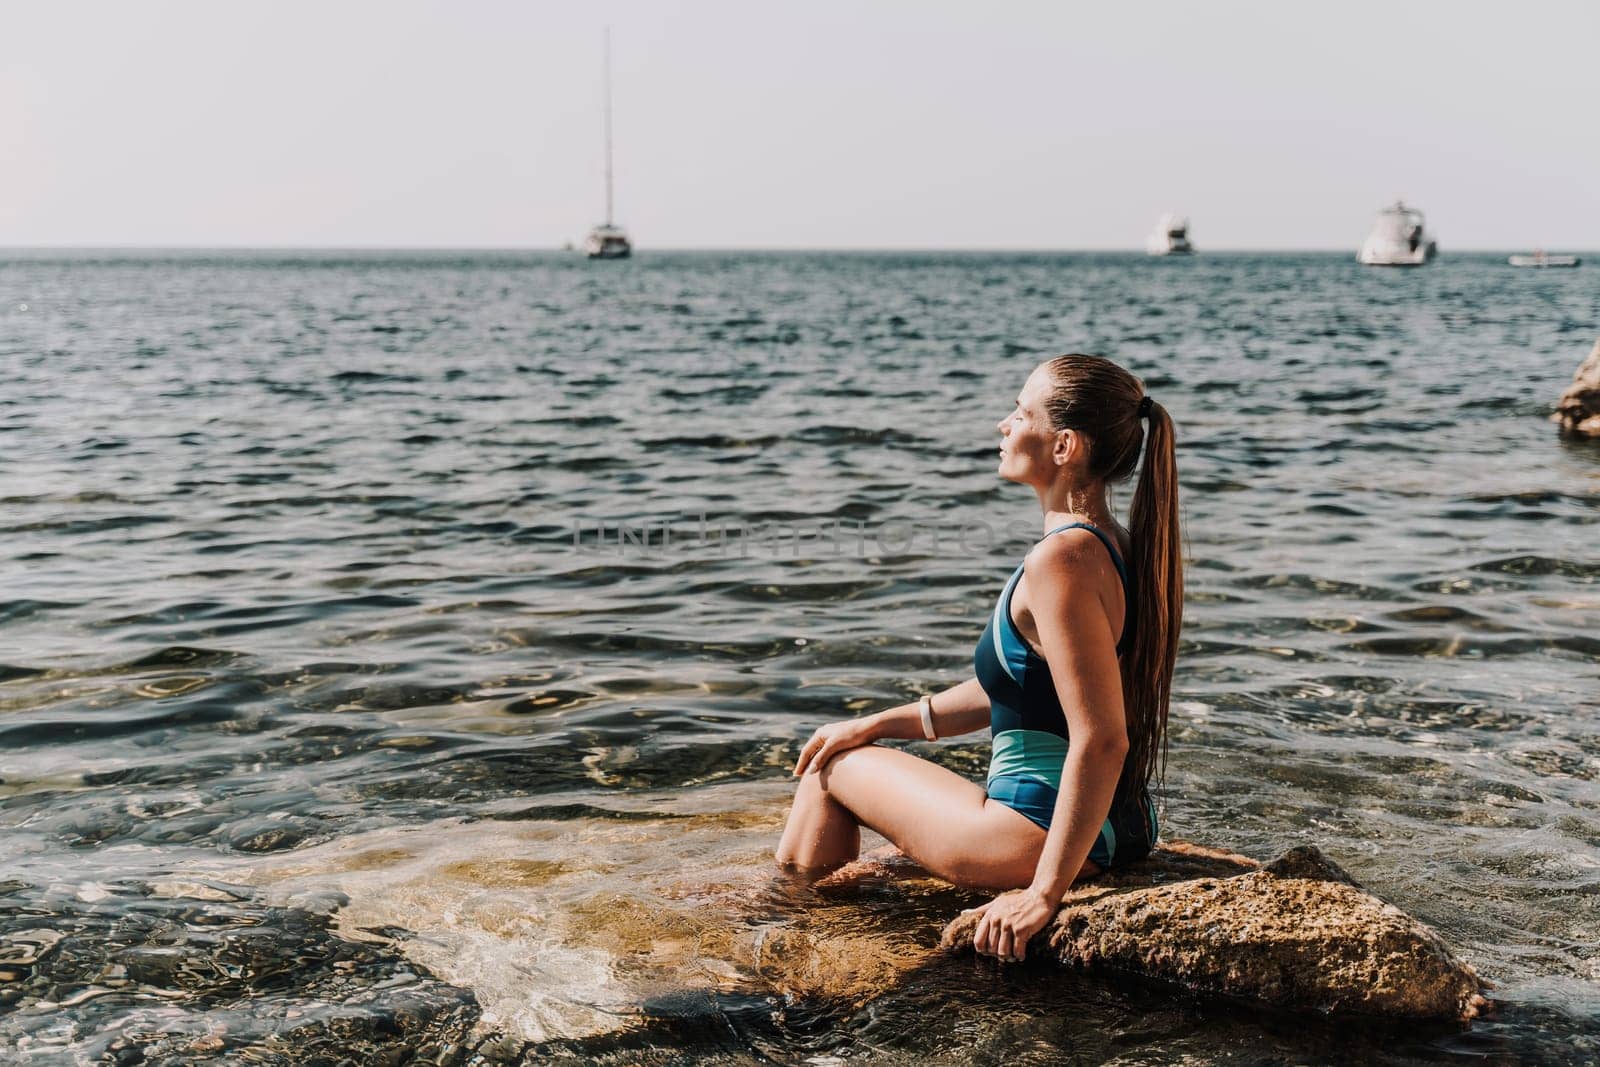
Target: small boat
[(1170, 237), (608, 240), (1398, 239), (1541, 258)]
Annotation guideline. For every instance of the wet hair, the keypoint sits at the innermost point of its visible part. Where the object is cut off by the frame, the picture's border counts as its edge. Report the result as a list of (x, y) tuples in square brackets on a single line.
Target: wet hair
[(1102, 401)]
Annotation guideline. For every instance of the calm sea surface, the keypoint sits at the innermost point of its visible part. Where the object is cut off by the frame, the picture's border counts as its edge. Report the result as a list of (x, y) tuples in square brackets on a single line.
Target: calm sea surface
[(331, 704)]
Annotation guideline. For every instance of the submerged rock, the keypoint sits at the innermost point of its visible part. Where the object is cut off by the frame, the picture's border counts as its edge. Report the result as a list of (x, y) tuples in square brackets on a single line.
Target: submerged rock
[(181, 973), (575, 924), (1578, 410), (1295, 933)]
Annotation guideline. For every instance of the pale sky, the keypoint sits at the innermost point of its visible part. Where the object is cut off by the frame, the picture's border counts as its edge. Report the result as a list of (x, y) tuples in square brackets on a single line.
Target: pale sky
[(823, 124)]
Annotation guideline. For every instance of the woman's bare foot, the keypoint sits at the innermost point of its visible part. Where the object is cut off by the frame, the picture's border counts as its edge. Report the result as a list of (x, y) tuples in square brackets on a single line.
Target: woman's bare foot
[(886, 864)]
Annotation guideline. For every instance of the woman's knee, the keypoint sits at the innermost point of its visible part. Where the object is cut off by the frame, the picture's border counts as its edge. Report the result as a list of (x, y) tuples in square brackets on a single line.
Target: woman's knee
[(809, 791), (844, 767)]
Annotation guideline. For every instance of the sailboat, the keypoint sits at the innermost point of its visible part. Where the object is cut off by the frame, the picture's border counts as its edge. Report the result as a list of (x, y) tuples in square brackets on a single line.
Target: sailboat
[(608, 240)]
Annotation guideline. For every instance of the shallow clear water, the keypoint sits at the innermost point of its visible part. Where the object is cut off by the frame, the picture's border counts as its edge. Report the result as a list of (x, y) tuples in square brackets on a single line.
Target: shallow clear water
[(328, 697)]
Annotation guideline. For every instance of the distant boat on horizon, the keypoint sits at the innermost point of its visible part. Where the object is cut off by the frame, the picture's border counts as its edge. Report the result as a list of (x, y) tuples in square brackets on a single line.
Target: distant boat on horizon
[(1540, 258), (608, 240), (1398, 239), (1170, 237)]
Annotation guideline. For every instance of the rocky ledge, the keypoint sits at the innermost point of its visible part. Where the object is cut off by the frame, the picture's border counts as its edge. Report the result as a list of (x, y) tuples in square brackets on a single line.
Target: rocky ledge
[(1296, 933), (1578, 410)]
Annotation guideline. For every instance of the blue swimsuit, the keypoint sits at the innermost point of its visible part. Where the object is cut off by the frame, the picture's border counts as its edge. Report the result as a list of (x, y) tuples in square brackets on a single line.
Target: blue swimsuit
[(1030, 730)]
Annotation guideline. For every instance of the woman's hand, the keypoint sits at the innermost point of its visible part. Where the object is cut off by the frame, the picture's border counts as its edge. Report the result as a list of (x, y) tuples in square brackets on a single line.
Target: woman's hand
[(1009, 921), (832, 739)]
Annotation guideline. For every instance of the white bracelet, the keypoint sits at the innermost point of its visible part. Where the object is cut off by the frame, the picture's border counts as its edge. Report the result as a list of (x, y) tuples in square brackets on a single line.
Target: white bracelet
[(926, 707)]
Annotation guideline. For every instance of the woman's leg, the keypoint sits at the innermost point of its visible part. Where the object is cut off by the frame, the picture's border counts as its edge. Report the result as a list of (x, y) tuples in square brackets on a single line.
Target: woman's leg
[(941, 820), (821, 833)]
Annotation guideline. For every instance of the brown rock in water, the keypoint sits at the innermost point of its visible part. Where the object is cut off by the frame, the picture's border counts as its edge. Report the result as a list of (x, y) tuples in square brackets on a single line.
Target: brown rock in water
[(1296, 933), (1578, 410)]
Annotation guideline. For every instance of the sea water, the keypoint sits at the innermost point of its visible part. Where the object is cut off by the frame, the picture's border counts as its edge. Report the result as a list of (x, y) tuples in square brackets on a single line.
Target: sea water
[(419, 642)]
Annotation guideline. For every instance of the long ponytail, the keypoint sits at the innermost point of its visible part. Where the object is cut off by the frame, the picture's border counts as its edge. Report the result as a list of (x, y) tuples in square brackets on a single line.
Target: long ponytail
[(1153, 525), (1107, 403)]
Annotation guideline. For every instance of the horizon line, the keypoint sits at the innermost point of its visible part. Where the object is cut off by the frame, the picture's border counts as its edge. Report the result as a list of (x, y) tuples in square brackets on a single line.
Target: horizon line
[(868, 249)]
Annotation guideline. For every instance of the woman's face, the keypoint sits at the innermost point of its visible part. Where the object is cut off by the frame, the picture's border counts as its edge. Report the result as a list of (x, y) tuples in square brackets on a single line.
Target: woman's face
[(1027, 445)]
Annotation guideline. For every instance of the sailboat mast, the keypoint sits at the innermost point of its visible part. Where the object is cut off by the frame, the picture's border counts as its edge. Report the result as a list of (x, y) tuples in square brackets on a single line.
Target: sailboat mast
[(608, 125)]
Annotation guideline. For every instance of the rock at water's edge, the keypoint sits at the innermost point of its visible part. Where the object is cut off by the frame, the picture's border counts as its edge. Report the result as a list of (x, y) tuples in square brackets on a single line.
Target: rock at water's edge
[(1296, 933), (1578, 410)]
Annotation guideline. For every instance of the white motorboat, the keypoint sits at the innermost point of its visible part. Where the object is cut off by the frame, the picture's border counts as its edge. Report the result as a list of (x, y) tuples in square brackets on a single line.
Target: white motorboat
[(1541, 258), (1398, 239), (608, 240), (1170, 237)]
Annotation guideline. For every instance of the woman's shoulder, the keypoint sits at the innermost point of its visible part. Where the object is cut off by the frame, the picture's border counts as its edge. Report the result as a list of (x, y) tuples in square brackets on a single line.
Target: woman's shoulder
[(1075, 553)]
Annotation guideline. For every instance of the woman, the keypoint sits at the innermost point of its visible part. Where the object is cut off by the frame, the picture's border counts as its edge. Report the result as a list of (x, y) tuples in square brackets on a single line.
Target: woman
[(1081, 645)]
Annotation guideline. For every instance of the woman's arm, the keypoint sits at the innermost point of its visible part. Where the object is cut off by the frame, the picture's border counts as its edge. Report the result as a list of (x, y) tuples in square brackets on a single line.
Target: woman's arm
[(1076, 637), (960, 709), (1078, 643)]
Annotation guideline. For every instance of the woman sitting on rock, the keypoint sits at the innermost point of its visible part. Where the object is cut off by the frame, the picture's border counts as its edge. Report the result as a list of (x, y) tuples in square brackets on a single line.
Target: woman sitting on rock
[(1081, 645)]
